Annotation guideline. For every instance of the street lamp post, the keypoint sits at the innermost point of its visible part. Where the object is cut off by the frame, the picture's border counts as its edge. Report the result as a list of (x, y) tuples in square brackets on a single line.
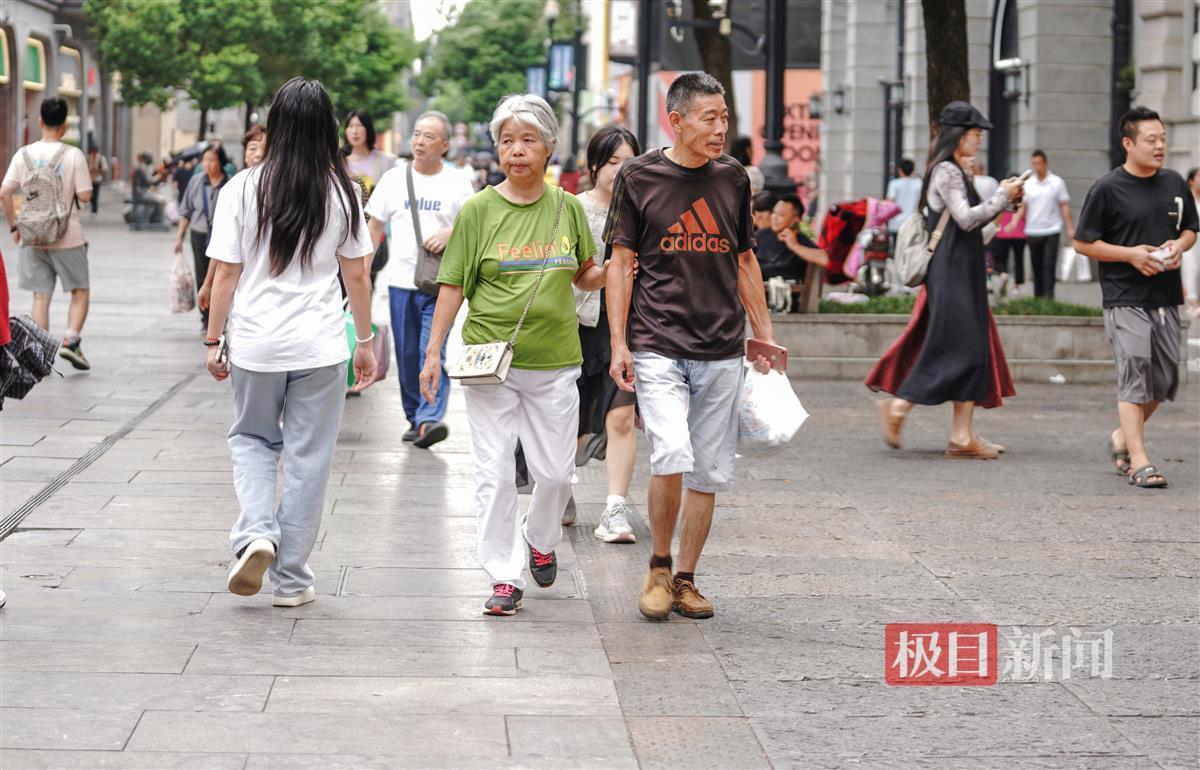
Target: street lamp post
[(550, 13), (773, 166)]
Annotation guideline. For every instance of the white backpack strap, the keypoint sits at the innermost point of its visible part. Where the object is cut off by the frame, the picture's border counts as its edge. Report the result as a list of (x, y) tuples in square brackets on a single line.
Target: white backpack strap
[(28, 160), (58, 154)]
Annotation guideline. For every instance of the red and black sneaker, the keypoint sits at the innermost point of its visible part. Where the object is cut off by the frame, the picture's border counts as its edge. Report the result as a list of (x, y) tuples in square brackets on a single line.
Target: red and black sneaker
[(543, 567), (506, 600)]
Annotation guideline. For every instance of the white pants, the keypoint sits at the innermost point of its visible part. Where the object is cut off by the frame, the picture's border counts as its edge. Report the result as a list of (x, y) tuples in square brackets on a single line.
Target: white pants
[(541, 408), (1191, 273)]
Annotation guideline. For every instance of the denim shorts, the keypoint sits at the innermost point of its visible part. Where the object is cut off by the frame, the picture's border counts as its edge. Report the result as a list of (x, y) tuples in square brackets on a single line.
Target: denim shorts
[(690, 412)]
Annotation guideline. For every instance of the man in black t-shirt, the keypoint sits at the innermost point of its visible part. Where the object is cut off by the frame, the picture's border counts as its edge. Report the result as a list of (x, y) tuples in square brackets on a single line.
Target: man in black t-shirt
[(678, 332), (1137, 221), (783, 251)]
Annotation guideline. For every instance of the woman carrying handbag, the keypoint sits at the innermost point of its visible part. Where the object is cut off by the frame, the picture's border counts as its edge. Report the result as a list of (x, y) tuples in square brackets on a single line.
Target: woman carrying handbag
[(514, 253), (951, 350)]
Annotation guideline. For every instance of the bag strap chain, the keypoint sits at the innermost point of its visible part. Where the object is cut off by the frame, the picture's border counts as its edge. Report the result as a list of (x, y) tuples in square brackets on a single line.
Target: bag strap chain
[(541, 273)]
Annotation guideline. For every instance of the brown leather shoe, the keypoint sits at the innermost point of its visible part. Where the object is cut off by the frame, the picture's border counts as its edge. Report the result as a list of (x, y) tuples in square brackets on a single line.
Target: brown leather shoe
[(976, 450), (889, 423), (689, 602), (656, 598)]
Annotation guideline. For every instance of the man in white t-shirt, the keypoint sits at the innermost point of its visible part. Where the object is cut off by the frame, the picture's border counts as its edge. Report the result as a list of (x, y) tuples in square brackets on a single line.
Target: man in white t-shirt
[(1047, 211), (904, 191), (64, 260), (440, 192)]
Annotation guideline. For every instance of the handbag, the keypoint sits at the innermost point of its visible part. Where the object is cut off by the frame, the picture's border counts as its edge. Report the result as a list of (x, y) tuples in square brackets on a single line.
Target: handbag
[(379, 346), (914, 251), (488, 363), (428, 265), (183, 291)]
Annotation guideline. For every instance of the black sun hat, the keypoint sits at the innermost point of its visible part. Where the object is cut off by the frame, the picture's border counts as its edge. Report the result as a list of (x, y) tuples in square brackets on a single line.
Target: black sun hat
[(964, 114)]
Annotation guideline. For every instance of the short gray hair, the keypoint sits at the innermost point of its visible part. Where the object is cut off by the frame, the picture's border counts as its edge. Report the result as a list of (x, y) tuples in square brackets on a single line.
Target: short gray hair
[(687, 87), (529, 109), (440, 117)]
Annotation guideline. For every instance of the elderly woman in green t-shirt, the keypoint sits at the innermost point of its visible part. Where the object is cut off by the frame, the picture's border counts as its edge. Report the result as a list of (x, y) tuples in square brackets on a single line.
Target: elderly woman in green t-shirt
[(503, 237)]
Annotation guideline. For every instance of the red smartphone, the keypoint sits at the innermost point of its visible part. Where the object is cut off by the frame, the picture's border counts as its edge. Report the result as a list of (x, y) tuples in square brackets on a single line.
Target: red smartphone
[(776, 355)]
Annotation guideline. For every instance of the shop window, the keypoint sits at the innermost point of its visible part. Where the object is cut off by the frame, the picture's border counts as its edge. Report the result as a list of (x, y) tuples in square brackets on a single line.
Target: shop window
[(35, 65), (70, 69), (4, 68)]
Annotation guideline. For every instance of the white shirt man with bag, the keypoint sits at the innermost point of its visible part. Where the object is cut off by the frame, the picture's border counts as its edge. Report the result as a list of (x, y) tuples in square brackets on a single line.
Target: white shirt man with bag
[(1047, 212), (440, 193)]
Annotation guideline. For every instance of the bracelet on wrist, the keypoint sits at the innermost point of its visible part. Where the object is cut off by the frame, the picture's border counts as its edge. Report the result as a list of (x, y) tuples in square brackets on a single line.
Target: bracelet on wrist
[(365, 341), (211, 343)]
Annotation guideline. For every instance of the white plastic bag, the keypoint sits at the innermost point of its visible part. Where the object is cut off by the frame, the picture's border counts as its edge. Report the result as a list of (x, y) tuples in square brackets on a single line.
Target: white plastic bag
[(769, 413), (183, 290), (171, 210), (1073, 267)]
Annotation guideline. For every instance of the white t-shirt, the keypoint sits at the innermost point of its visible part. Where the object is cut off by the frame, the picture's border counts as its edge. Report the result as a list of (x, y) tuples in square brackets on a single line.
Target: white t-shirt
[(293, 320), (985, 186), (1043, 198), (73, 169), (906, 192), (439, 198)]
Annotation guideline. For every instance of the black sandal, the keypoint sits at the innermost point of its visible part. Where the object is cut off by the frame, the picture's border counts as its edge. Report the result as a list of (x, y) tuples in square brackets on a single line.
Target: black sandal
[(1141, 478), (1121, 456)]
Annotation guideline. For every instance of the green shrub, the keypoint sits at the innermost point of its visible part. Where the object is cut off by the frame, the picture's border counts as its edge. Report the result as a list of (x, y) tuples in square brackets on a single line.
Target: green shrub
[(1024, 306)]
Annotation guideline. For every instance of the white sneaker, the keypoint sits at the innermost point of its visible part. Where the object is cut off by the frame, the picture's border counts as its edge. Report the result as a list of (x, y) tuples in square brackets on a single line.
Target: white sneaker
[(304, 597), (614, 524), (245, 579)]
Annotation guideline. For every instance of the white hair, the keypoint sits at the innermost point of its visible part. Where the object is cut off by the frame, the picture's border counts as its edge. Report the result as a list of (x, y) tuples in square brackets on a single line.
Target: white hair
[(529, 109)]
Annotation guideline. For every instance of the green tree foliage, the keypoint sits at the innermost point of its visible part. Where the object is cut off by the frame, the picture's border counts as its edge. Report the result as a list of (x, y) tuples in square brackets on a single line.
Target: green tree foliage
[(231, 52), (483, 55)]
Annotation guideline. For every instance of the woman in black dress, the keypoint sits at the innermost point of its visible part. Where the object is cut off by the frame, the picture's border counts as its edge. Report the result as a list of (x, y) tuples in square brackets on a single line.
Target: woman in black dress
[(951, 350)]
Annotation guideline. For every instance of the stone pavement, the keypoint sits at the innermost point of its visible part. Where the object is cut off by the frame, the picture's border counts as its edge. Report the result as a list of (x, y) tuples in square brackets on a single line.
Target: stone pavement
[(120, 647)]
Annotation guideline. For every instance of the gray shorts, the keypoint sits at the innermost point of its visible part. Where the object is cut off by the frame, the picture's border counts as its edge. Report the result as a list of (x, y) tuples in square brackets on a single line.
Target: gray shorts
[(40, 267), (690, 412), (1145, 345)]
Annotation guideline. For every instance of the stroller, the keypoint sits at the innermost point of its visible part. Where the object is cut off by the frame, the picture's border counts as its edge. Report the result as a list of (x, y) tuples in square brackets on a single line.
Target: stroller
[(855, 237)]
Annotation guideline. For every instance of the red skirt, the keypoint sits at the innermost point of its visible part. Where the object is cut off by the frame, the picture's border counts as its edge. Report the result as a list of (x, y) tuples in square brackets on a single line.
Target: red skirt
[(893, 367)]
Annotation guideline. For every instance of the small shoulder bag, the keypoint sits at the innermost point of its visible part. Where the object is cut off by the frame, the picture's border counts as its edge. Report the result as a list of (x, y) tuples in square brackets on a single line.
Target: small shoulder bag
[(428, 265), (488, 363)]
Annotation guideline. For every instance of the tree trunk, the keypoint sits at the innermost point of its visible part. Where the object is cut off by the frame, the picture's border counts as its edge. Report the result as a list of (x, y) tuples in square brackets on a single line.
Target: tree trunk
[(203, 132), (946, 64), (716, 52)]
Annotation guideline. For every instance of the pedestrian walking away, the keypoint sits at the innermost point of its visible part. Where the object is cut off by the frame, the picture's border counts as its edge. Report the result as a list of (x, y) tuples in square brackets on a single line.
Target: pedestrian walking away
[(678, 332), (280, 234), (196, 214), (950, 350), (905, 191), (422, 222), (607, 414), (98, 169), (366, 165), (53, 177), (1046, 211), (515, 251), (1190, 267), (254, 144), (1137, 221)]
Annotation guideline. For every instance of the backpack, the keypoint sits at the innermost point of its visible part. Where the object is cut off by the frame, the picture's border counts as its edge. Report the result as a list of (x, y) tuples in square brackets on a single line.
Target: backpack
[(44, 217), (914, 247)]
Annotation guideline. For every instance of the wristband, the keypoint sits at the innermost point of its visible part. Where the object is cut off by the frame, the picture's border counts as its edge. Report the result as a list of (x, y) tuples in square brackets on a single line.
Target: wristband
[(364, 342), (12, 229), (211, 343)]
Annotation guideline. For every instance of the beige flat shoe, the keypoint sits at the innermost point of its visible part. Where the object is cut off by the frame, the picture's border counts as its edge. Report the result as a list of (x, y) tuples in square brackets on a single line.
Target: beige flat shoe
[(976, 450), (1000, 448), (889, 423)]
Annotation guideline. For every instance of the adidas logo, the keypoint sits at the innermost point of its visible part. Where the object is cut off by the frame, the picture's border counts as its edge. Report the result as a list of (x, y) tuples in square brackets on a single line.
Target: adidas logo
[(696, 230)]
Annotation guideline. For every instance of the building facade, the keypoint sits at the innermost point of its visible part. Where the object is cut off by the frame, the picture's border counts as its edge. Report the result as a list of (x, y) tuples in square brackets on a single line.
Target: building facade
[(1050, 74)]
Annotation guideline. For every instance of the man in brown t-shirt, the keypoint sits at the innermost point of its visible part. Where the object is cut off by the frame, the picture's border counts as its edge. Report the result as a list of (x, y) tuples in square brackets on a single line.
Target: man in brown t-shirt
[(678, 333)]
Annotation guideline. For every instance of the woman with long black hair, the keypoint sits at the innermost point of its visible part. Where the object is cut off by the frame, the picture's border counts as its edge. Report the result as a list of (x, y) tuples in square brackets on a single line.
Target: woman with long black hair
[(282, 230), (951, 350)]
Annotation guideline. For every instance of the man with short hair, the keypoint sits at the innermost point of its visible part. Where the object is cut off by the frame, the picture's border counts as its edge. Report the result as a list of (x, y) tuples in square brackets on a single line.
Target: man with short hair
[(905, 192), (441, 191), (678, 332), (65, 260), (784, 251), (1137, 221), (1047, 212)]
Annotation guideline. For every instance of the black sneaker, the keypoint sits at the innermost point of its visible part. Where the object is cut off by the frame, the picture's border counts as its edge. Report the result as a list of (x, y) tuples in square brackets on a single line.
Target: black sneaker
[(74, 354), (433, 433), (506, 600), (543, 567), (411, 435)]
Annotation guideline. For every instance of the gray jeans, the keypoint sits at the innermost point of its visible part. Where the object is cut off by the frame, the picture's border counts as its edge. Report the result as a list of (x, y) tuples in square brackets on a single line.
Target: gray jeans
[(309, 405)]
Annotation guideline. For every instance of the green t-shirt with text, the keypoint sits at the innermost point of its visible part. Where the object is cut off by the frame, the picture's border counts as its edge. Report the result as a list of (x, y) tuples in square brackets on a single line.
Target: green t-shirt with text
[(495, 251)]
